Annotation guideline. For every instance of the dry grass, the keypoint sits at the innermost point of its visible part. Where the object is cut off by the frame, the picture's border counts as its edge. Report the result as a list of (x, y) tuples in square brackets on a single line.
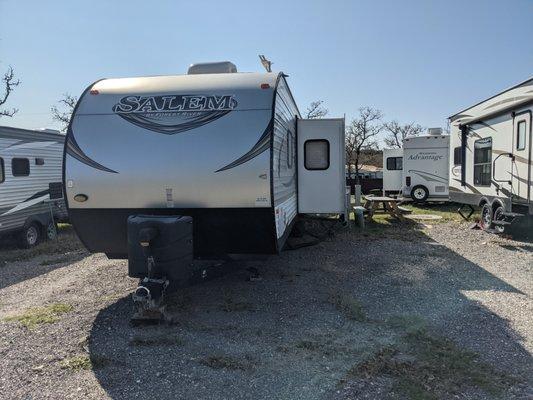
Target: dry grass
[(49, 314)]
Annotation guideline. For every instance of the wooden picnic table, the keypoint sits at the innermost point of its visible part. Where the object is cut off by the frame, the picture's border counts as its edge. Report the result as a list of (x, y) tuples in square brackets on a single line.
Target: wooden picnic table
[(389, 205)]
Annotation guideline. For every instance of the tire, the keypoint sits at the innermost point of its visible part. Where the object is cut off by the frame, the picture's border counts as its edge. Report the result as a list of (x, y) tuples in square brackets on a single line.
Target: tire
[(419, 194), (30, 236), (51, 231), (498, 216), (486, 217)]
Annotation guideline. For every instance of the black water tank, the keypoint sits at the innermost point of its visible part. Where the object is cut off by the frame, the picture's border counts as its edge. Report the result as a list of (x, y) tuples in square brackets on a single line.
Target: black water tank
[(171, 246)]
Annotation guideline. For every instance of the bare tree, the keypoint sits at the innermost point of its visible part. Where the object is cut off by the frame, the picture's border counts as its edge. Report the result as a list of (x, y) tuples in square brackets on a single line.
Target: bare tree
[(63, 115), (10, 83), (315, 110), (396, 133), (361, 134)]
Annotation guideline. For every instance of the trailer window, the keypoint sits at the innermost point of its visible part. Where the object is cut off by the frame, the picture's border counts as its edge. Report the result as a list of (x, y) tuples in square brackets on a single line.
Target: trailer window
[(20, 167), (316, 154), (394, 163), (521, 135), (2, 175), (457, 156), (483, 162)]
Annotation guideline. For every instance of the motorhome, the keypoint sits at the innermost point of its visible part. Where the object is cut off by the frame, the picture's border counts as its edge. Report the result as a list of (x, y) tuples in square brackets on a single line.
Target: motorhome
[(227, 150), (31, 191), (491, 156), (418, 171)]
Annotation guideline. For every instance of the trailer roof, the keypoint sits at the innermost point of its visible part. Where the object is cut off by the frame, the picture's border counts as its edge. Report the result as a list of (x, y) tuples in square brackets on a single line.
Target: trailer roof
[(13, 132), (527, 82)]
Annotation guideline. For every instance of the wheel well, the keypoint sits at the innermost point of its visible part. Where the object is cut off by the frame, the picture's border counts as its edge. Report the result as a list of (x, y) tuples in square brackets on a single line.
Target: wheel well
[(483, 201), (497, 203)]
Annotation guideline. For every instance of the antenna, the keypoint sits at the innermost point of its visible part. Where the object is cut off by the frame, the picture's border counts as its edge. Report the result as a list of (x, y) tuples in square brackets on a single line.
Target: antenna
[(266, 63)]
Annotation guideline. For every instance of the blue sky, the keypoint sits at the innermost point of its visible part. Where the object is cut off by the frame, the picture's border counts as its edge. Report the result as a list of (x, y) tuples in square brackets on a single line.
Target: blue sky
[(416, 60)]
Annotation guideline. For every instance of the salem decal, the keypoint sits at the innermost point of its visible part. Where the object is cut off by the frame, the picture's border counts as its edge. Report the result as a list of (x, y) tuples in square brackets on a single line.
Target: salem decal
[(172, 114)]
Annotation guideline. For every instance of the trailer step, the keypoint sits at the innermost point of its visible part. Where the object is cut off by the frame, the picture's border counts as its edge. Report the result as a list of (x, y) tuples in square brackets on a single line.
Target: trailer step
[(501, 223), (512, 214)]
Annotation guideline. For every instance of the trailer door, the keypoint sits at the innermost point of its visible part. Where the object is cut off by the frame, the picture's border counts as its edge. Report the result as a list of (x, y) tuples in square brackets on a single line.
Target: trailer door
[(321, 166), (522, 168)]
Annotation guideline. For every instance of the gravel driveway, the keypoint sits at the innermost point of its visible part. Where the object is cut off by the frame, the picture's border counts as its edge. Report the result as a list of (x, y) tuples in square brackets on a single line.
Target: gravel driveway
[(403, 312)]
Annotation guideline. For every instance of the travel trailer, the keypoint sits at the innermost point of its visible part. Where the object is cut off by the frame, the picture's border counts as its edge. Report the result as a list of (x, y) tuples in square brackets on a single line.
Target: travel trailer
[(491, 155), (225, 152), (418, 171), (31, 191)]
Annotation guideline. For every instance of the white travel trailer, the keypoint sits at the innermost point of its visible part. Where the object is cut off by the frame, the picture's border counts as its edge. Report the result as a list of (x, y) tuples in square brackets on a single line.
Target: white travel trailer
[(31, 191), (420, 169), (491, 152), (226, 150)]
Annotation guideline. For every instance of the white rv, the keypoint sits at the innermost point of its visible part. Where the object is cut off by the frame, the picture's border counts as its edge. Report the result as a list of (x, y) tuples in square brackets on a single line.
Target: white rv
[(227, 149), (491, 154), (420, 169), (31, 189)]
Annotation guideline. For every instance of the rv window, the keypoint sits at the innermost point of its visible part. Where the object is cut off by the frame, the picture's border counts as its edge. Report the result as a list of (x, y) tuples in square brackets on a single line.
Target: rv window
[(316, 154), (457, 156), (394, 163), (20, 167), (483, 162), (521, 135), (2, 175)]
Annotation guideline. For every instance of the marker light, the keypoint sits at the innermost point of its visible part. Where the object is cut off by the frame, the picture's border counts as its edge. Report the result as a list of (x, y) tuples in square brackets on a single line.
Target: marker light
[(94, 91), (265, 86)]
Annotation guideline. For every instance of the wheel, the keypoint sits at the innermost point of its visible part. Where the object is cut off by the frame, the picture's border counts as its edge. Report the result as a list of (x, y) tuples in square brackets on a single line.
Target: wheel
[(486, 217), (419, 194), (51, 231), (30, 236), (498, 216)]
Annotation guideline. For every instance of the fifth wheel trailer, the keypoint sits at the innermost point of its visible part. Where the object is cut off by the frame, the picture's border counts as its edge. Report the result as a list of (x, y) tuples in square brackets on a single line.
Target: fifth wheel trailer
[(491, 151), (31, 191), (226, 152)]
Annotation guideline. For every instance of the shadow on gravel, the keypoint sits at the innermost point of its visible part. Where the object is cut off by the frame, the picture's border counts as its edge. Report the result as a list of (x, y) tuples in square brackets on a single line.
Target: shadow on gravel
[(17, 265), (317, 314)]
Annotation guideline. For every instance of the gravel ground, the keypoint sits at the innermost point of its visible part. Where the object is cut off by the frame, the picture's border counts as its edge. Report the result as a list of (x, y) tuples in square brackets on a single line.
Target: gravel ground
[(306, 330)]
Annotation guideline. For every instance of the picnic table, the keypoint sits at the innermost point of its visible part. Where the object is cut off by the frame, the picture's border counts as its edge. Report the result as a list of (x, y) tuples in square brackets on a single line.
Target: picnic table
[(388, 204)]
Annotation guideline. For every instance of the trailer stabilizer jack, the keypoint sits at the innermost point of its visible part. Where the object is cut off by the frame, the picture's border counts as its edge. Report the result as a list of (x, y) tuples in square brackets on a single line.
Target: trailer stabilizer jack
[(148, 300)]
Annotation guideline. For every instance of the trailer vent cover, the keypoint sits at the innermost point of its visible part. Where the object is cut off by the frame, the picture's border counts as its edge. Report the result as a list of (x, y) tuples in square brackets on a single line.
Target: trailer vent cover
[(440, 189), (221, 67)]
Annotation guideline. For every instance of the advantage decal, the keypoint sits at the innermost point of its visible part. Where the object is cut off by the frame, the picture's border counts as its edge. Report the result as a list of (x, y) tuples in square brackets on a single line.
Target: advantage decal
[(172, 114)]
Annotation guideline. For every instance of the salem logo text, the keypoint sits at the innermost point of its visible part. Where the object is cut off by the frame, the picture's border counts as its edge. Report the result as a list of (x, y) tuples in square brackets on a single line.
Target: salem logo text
[(172, 114)]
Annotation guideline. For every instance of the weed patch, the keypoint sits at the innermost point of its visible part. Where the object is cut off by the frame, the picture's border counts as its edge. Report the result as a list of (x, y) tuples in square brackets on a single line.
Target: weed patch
[(351, 308), (428, 367), (226, 362), (41, 315), (162, 340), (76, 363)]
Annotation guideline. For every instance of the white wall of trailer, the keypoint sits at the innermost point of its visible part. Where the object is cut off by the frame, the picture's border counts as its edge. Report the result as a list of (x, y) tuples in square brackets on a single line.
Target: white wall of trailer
[(426, 163), (392, 171)]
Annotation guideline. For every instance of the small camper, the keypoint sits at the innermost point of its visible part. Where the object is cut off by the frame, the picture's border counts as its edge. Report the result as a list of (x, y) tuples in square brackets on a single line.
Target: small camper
[(31, 190), (491, 155), (418, 171), (225, 152)]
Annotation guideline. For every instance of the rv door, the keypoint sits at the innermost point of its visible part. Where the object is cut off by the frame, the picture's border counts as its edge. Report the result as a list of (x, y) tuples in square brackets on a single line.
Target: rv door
[(522, 168), (321, 166)]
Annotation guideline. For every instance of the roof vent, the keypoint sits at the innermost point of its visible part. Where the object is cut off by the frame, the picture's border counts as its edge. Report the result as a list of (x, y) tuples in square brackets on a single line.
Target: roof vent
[(220, 67), (435, 131)]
